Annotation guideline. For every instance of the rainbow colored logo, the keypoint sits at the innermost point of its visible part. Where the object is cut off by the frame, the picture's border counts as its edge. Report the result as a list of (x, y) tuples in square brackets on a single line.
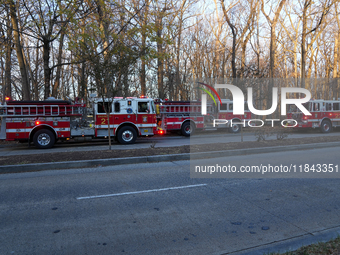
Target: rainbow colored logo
[(213, 90)]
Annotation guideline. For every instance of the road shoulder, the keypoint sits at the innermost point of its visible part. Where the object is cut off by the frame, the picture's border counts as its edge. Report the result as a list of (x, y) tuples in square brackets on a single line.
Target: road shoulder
[(160, 158)]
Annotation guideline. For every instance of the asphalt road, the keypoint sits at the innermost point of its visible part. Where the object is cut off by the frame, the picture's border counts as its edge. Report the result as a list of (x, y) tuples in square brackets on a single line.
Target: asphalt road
[(158, 209), (145, 142)]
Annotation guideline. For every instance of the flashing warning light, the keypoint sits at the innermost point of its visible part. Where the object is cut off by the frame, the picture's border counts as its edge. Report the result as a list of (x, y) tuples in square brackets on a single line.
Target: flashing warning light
[(330, 114), (37, 122), (143, 96), (161, 132), (305, 118), (7, 98)]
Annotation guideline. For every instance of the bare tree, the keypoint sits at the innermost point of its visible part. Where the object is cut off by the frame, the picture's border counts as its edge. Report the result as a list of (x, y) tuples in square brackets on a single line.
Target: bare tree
[(272, 23), (324, 9), (7, 88), (19, 50), (234, 32), (46, 18)]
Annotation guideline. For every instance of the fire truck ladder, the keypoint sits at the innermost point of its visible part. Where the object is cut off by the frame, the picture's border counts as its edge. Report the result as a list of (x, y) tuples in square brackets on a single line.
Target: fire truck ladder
[(183, 110), (40, 110), (180, 109)]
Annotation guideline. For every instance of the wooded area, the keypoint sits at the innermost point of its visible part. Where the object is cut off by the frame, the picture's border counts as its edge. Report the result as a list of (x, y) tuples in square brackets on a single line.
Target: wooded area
[(160, 48)]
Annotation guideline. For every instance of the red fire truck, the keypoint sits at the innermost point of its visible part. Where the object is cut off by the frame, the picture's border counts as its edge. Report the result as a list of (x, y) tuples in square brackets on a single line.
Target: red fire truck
[(186, 117), (325, 115), (45, 122)]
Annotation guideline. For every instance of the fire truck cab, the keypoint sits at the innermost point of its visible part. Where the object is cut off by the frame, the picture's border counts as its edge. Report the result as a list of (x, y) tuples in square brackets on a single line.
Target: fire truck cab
[(45, 122), (129, 118), (325, 114)]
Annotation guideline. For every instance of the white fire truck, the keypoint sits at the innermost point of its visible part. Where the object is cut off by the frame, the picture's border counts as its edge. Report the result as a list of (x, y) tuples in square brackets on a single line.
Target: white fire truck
[(186, 117), (325, 115), (45, 122)]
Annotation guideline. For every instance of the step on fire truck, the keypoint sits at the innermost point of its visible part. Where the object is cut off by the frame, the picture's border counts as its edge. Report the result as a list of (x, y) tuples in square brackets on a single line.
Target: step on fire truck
[(186, 116), (325, 114), (45, 122)]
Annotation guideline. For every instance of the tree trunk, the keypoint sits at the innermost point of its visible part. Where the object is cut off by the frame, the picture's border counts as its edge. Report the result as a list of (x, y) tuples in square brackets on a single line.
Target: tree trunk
[(47, 69), (35, 79), (108, 125), (107, 81), (178, 77), (243, 57), (81, 73), (20, 56), (338, 66), (8, 46), (104, 28), (233, 54), (272, 51), (295, 64), (273, 23), (82, 83), (57, 77), (160, 71), (303, 46), (8, 64), (336, 48), (143, 69), (234, 32), (126, 83)]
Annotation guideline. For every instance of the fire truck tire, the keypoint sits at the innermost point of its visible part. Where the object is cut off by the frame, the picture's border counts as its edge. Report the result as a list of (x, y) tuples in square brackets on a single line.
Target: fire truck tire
[(326, 126), (188, 129), (127, 135), (235, 128), (44, 139)]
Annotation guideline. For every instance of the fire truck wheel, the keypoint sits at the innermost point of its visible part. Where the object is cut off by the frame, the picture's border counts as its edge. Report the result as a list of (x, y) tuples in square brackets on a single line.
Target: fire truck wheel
[(187, 129), (44, 139), (235, 128), (326, 126), (127, 135)]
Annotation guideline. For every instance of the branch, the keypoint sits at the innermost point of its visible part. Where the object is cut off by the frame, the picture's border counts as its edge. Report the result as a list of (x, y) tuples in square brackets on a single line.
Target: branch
[(20, 31), (122, 28), (324, 13), (70, 63)]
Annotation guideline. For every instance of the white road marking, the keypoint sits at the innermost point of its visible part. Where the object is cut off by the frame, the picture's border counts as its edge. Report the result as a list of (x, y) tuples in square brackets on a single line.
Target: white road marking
[(142, 191)]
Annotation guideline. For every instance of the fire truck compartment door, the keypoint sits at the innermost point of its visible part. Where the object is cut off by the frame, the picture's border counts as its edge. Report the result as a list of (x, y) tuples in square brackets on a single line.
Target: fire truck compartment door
[(16, 128), (82, 132), (104, 132), (2, 128)]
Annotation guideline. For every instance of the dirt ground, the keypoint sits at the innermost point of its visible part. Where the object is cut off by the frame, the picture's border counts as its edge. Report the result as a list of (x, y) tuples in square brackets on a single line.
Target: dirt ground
[(102, 154)]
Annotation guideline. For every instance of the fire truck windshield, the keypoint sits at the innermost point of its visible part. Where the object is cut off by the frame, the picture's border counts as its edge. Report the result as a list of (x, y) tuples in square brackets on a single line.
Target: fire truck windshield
[(293, 108), (143, 107), (153, 107), (308, 106)]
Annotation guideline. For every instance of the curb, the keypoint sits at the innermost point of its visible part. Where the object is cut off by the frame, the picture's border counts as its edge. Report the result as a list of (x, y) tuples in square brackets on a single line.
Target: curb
[(291, 244), (158, 158)]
